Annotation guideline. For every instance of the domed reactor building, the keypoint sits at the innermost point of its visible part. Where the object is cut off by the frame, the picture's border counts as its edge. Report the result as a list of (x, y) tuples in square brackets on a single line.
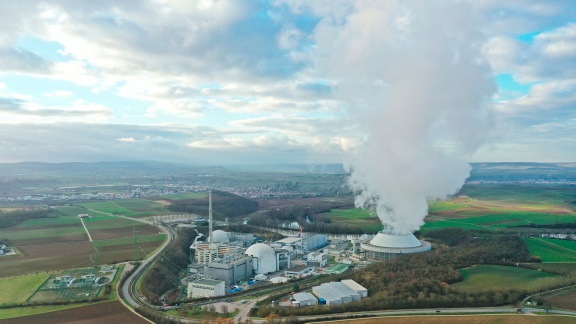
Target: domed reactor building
[(386, 246)]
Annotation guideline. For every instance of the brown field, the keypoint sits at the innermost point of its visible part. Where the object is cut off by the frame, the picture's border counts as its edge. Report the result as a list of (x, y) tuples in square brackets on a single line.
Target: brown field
[(291, 202), (163, 202), (125, 252), (62, 239), (47, 257), (113, 233), (468, 319), (566, 300), (112, 312)]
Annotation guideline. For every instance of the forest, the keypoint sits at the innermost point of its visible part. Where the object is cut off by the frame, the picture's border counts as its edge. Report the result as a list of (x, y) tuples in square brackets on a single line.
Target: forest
[(164, 274), (225, 205), (310, 217), (424, 280)]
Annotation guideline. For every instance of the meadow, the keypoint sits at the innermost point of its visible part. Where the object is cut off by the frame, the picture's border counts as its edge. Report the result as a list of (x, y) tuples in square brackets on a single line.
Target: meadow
[(356, 217), (488, 277), (550, 250), (128, 207), (16, 290)]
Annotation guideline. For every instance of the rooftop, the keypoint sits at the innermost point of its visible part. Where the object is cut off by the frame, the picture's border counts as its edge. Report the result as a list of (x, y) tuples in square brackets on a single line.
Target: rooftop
[(207, 282)]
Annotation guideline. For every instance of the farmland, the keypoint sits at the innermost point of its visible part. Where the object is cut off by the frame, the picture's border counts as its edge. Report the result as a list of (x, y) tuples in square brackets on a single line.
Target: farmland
[(565, 299), (355, 217), (453, 319), (552, 250), (497, 277), (18, 289), (128, 207), (57, 243), (108, 312), (467, 212)]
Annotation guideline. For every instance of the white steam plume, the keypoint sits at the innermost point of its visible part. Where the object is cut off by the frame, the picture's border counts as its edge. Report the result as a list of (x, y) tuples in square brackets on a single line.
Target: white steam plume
[(413, 75)]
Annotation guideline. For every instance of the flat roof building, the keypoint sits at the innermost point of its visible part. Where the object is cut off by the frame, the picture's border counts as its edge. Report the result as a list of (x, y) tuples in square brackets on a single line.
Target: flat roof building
[(304, 299), (335, 293), (206, 288), (363, 292)]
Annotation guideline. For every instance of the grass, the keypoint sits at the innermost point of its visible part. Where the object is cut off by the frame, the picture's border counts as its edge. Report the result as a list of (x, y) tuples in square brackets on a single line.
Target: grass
[(355, 217), (549, 251), (561, 268), (18, 235), (129, 240), (18, 289), (52, 221), (355, 213), (128, 207), (497, 277)]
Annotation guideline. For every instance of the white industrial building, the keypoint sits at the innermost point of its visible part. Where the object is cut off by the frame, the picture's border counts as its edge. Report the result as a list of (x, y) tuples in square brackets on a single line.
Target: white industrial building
[(316, 259), (304, 299), (386, 246), (206, 288), (303, 244), (363, 292), (335, 293)]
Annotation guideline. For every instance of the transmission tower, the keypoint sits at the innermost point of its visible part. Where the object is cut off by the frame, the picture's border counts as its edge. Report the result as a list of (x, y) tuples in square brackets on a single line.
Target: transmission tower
[(136, 249)]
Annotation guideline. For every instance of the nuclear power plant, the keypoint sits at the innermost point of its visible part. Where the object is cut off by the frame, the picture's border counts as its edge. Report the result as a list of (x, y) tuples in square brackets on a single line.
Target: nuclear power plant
[(387, 246)]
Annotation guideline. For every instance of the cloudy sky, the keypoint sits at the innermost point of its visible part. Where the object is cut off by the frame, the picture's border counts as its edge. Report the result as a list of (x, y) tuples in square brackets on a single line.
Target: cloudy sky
[(232, 82)]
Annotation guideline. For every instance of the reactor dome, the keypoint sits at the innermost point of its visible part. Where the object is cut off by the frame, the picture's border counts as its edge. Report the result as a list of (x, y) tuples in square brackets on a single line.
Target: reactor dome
[(265, 257), (219, 236), (386, 246)]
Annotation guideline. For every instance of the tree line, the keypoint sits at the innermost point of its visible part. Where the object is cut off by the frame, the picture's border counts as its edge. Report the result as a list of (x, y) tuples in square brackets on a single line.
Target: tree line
[(164, 275), (225, 204), (13, 218)]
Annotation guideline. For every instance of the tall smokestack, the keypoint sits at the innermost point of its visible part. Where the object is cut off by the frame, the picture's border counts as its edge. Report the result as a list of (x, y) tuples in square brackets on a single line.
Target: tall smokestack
[(209, 216)]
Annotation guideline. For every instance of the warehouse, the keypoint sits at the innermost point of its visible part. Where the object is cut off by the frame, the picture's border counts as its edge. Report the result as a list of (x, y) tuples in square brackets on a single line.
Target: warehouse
[(335, 293), (304, 299), (363, 292)]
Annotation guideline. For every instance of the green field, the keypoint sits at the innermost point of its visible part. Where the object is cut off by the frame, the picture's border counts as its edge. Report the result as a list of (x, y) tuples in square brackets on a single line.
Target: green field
[(128, 207), (129, 240), (497, 277), (356, 217), (561, 268), (550, 250), (193, 195), (16, 236), (15, 290)]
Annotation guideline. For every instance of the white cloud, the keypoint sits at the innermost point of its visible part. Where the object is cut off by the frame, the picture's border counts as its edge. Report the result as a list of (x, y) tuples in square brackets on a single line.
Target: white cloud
[(59, 94)]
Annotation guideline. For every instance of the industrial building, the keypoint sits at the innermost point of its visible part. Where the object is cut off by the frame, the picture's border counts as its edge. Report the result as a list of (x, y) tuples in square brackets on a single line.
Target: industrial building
[(298, 271), (206, 288), (231, 269), (304, 299), (386, 246), (303, 244), (363, 292), (316, 259), (336, 293)]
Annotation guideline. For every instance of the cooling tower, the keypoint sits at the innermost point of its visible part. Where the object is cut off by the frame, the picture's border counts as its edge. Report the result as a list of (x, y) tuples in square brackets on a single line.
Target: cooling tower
[(386, 246)]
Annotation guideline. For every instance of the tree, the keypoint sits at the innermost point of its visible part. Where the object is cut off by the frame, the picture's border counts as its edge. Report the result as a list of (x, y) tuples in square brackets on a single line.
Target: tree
[(224, 310)]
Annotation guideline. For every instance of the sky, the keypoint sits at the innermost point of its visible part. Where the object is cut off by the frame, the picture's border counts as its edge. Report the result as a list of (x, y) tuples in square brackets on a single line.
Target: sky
[(260, 82)]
